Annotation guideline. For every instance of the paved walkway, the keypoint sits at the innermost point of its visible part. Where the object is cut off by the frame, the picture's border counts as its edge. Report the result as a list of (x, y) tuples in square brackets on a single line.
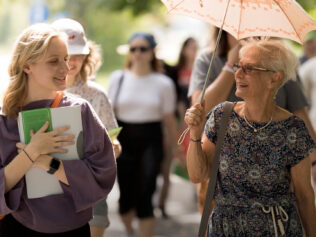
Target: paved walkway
[(181, 206)]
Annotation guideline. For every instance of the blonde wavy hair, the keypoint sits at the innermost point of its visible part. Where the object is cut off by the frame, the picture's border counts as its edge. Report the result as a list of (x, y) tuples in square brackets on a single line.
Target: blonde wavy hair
[(274, 55), (92, 62), (29, 47)]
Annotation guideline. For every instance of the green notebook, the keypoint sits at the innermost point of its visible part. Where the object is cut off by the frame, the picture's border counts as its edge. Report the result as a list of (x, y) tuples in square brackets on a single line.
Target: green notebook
[(38, 182), (114, 133), (34, 119)]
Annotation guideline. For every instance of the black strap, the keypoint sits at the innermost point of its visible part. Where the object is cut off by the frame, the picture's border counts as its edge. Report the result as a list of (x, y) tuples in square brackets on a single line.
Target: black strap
[(117, 93), (228, 107)]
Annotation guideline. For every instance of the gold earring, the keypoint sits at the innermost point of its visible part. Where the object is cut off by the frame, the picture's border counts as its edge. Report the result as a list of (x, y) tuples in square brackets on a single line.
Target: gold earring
[(201, 3)]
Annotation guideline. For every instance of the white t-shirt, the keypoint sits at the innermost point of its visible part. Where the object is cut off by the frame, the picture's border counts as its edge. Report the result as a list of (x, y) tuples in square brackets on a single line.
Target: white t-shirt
[(307, 73), (142, 99)]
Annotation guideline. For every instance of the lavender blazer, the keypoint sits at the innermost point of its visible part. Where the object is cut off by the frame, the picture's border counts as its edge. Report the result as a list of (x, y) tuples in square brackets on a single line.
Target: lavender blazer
[(90, 179)]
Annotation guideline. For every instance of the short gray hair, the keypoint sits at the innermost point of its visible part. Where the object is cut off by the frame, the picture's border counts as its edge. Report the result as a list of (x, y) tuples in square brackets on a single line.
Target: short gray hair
[(275, 55)]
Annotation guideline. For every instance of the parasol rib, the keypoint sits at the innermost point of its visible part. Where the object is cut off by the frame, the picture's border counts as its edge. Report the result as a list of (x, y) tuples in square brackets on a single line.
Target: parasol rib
[(239, 21), (176, 6), (276, 2)]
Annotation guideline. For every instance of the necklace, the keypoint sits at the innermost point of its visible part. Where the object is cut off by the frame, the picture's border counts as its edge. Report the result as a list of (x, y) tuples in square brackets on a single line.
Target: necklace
[(259, 129)]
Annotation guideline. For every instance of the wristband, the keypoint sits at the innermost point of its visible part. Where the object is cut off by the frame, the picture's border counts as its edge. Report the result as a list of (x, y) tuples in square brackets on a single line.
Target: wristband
[(229, 64), (228, 68), (313, 163), (28, 156), (197, 140)]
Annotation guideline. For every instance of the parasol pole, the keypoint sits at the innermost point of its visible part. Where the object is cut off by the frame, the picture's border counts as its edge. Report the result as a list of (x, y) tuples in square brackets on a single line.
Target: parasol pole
[(206, 210), (208, 75)]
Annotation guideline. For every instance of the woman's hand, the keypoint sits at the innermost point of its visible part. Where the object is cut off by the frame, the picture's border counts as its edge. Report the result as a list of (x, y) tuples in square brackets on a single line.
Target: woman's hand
[(195, 119), (42, 161), (21, 146), (117, 148), (43, 143)]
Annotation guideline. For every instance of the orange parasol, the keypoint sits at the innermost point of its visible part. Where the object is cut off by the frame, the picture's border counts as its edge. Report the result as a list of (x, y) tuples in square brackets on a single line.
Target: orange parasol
[(247, 18)]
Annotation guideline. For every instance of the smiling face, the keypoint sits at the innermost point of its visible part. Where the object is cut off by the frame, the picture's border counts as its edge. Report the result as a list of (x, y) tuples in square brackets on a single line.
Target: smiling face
[(75, 64), (48, 74), (253, 83)]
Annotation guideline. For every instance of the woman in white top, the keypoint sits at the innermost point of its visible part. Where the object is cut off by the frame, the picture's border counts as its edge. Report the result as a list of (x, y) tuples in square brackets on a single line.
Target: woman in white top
[(144, 101)]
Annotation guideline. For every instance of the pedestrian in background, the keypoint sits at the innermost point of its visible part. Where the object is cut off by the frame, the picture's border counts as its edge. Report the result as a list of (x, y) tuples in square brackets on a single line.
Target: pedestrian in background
[(180, 74), (84, 61), (37, 70), (144, 101), (265, 149), (309, 47), (307, 72)]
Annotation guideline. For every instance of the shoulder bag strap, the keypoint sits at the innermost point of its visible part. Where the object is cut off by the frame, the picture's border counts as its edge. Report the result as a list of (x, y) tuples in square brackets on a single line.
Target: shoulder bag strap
[(58, 98), (117, 93), (228, 107)]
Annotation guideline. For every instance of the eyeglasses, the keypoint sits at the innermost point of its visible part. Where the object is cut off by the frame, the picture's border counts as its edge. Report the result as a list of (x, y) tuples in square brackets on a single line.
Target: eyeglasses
[(141, 49), (247, 69)]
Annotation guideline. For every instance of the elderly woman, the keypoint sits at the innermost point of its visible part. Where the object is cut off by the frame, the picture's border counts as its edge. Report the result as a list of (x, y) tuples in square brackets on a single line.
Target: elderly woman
[(265, 149)]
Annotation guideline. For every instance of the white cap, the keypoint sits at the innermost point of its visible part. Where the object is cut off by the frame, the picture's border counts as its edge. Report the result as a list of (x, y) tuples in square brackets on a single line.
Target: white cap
[(77, 41)]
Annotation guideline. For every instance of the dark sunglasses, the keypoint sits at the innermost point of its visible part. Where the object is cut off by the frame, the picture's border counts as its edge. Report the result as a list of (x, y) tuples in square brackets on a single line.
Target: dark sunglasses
[(248, 69), (141, 49)]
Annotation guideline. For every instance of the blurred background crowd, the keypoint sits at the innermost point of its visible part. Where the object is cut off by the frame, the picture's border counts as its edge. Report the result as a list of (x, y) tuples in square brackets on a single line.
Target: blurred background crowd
[(176, 43), (110, 23)]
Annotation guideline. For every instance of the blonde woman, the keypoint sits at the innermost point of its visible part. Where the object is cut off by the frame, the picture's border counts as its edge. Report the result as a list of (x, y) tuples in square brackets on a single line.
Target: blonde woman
[(38, 69), (265, 149)]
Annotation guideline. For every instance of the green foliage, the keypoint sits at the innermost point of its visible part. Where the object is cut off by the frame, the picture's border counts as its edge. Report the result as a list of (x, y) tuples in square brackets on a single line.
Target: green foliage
[(308, 5), (10, 27), (109, 30), (136, 6), (312, 12), (106, 27), (107, 22)]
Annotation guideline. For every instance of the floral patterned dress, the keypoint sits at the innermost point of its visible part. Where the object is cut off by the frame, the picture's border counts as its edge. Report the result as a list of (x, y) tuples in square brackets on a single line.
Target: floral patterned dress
[(253, 185)]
